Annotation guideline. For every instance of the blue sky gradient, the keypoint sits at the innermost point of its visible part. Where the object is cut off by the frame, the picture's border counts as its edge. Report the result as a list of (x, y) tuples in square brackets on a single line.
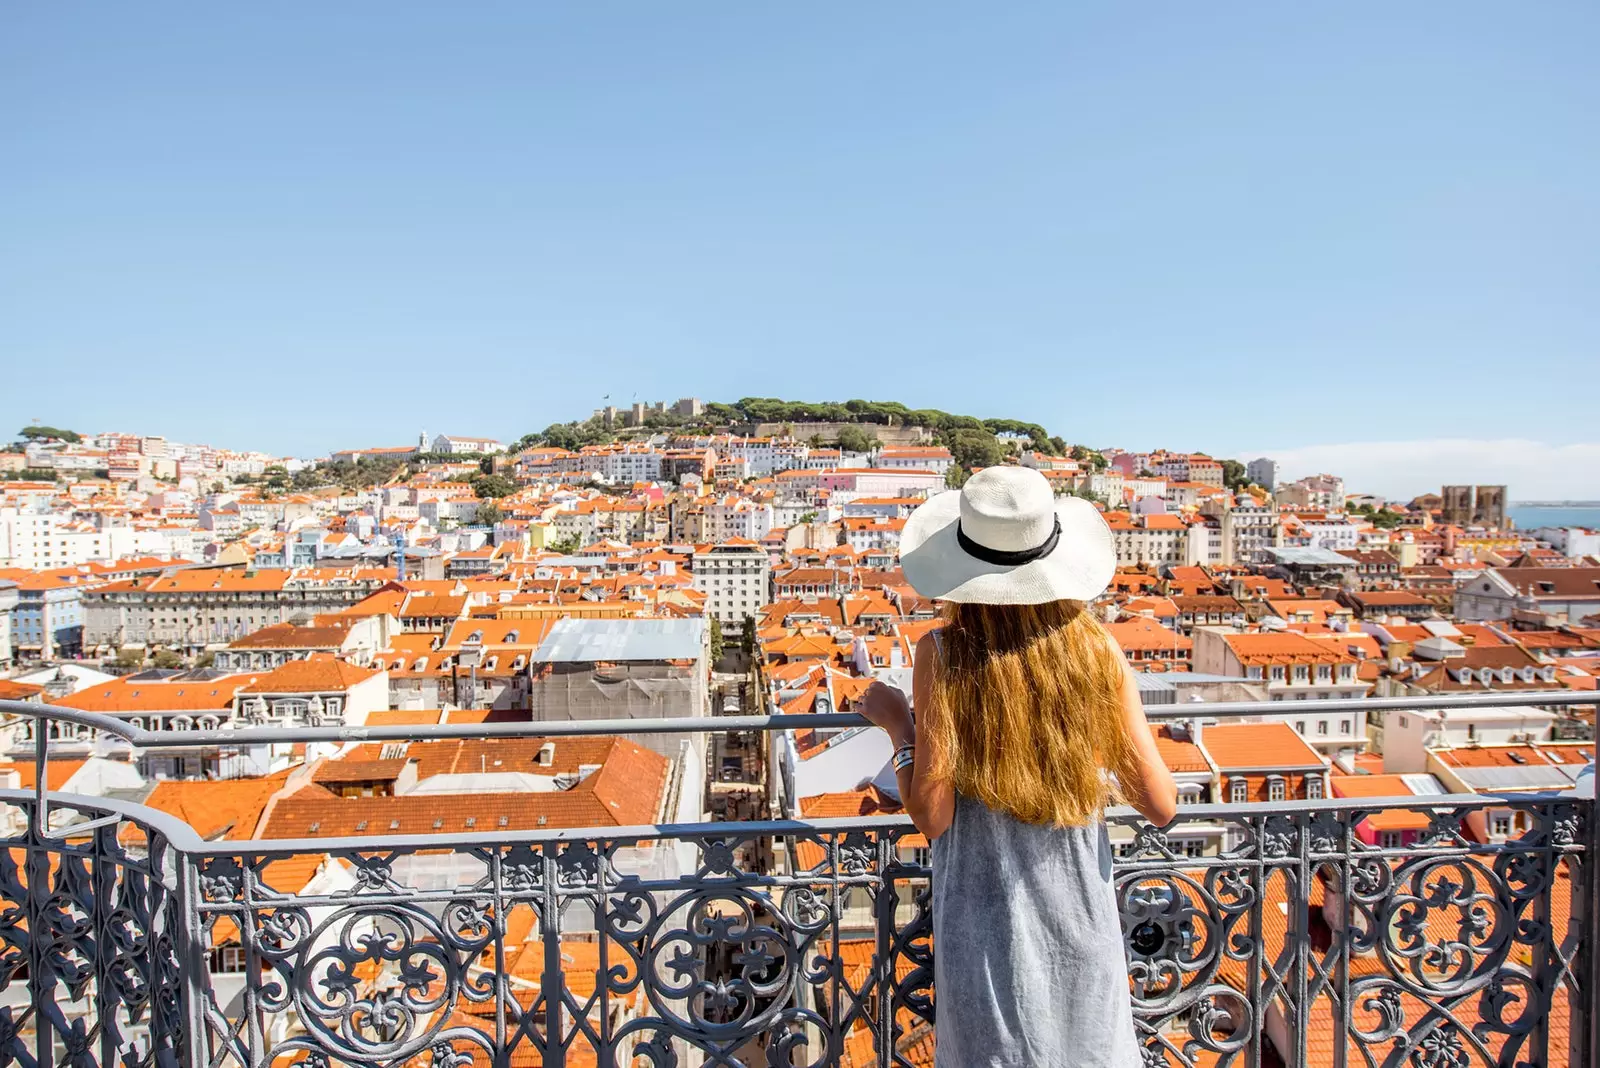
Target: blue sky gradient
[(1232, 227)]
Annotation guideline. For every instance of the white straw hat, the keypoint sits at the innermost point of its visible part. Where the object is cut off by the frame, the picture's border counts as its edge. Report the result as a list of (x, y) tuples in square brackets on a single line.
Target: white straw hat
[(1006, 539)]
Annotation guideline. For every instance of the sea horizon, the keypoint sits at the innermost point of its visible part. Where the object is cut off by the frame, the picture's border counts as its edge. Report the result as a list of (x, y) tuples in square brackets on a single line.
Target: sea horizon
[(1530, 518)]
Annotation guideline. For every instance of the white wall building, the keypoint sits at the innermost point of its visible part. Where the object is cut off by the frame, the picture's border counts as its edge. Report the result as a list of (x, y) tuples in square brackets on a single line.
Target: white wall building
[(1408, 735), (1331, 532), (453, 509), (928, 458), (1573, 542), (1204, 546), (849, 760), (447, 443), (1263, 472), (33, 537), (1315, 491), (737, 517), (631, 465), (8, 602), (735, 579), (1247, 529)]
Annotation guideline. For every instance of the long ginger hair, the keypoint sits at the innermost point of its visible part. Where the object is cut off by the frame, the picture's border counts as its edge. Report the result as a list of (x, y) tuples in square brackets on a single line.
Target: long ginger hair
[(1029, 711)]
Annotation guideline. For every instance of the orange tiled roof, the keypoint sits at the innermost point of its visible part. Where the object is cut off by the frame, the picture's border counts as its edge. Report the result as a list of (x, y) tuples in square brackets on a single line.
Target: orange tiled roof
[(129, 694), (318, 673), (1285, 648), (1179, 755), (1257, 745), (627, 790), (56, 772), (1143, 634)]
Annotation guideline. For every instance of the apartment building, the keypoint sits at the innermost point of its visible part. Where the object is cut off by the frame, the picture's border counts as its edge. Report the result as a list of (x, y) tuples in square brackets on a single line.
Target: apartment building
[(193, 608), (1566, 594), (1248, 528), (1155, 541), (36, 537), (934, 458), (1409, 736), (1294, 668), (735, 576)]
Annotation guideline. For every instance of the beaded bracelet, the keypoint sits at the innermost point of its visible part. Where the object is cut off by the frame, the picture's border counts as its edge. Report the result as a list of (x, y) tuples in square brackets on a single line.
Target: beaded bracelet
[(903, 757)]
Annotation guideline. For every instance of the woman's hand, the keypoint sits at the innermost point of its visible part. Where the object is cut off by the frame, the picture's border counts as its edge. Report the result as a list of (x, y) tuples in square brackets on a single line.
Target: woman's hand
[(886, 706)]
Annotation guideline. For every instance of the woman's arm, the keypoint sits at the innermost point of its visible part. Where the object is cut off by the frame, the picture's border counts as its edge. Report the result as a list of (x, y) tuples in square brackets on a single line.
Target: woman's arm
[(931, 804), (1152, 792)]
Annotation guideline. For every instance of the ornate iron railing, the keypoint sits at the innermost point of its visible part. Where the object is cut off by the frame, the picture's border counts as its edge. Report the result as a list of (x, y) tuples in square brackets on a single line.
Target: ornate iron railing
[(125, 939)]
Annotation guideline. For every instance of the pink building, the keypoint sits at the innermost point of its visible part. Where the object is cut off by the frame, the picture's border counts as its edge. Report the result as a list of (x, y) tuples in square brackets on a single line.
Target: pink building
[(1391, 828), (877, 482)]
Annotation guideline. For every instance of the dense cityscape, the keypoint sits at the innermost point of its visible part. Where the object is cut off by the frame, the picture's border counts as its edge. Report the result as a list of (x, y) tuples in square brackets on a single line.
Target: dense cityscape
[(692, 560)]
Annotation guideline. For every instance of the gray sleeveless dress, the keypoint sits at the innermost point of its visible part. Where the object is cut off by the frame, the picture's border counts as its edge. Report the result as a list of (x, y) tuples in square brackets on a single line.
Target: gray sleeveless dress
[(1029, 966)]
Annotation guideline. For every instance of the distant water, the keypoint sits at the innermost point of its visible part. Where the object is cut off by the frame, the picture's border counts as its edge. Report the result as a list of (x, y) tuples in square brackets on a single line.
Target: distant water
[(1529, 518)]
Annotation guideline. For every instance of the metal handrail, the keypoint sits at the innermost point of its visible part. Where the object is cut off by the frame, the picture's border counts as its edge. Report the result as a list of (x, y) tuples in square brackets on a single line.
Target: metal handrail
[(751, 829), (139, 737)]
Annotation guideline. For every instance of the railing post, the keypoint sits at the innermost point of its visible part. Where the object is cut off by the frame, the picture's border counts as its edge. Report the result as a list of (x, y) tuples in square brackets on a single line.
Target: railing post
[(194, 967), (1588, 1043), (552, 983)]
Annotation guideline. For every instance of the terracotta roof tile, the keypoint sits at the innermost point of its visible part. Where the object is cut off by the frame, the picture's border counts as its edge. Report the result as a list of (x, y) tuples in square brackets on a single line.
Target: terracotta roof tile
[(1257, 745)]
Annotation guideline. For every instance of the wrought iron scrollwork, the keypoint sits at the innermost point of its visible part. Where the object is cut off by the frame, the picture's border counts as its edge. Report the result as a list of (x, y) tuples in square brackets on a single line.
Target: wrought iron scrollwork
[(1447, 953)]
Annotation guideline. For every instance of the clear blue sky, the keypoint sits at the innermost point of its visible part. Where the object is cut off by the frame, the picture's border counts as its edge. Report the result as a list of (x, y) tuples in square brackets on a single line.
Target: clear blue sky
[(306, 226)]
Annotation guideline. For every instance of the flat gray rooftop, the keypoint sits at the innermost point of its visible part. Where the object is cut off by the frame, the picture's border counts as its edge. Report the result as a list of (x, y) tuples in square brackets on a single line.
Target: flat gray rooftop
[(584, 640)]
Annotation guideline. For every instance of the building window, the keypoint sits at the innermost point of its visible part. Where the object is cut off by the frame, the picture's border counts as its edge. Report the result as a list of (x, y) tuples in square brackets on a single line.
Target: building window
[(1344, 726), (1500, 825), (1277, 672), (1389, 839), (1314, 789), (1299, 726), (1276, 790), (1403, 722), (1238, 791), (1322, 726)]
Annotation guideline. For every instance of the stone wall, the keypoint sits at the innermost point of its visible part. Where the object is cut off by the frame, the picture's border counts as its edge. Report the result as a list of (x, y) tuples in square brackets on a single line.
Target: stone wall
[(829, 432)]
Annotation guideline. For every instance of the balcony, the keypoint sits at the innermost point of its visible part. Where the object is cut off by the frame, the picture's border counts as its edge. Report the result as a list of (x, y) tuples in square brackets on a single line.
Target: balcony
[(126, 939)]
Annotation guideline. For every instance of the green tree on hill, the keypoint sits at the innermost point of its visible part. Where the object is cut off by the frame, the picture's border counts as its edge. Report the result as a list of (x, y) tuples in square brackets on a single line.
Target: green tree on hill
[(566, 545), (42, 433), (492, 485), (1233, 475), (854, 439), (1382, 518), (974, 448), (571, 436), (489, 514)]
